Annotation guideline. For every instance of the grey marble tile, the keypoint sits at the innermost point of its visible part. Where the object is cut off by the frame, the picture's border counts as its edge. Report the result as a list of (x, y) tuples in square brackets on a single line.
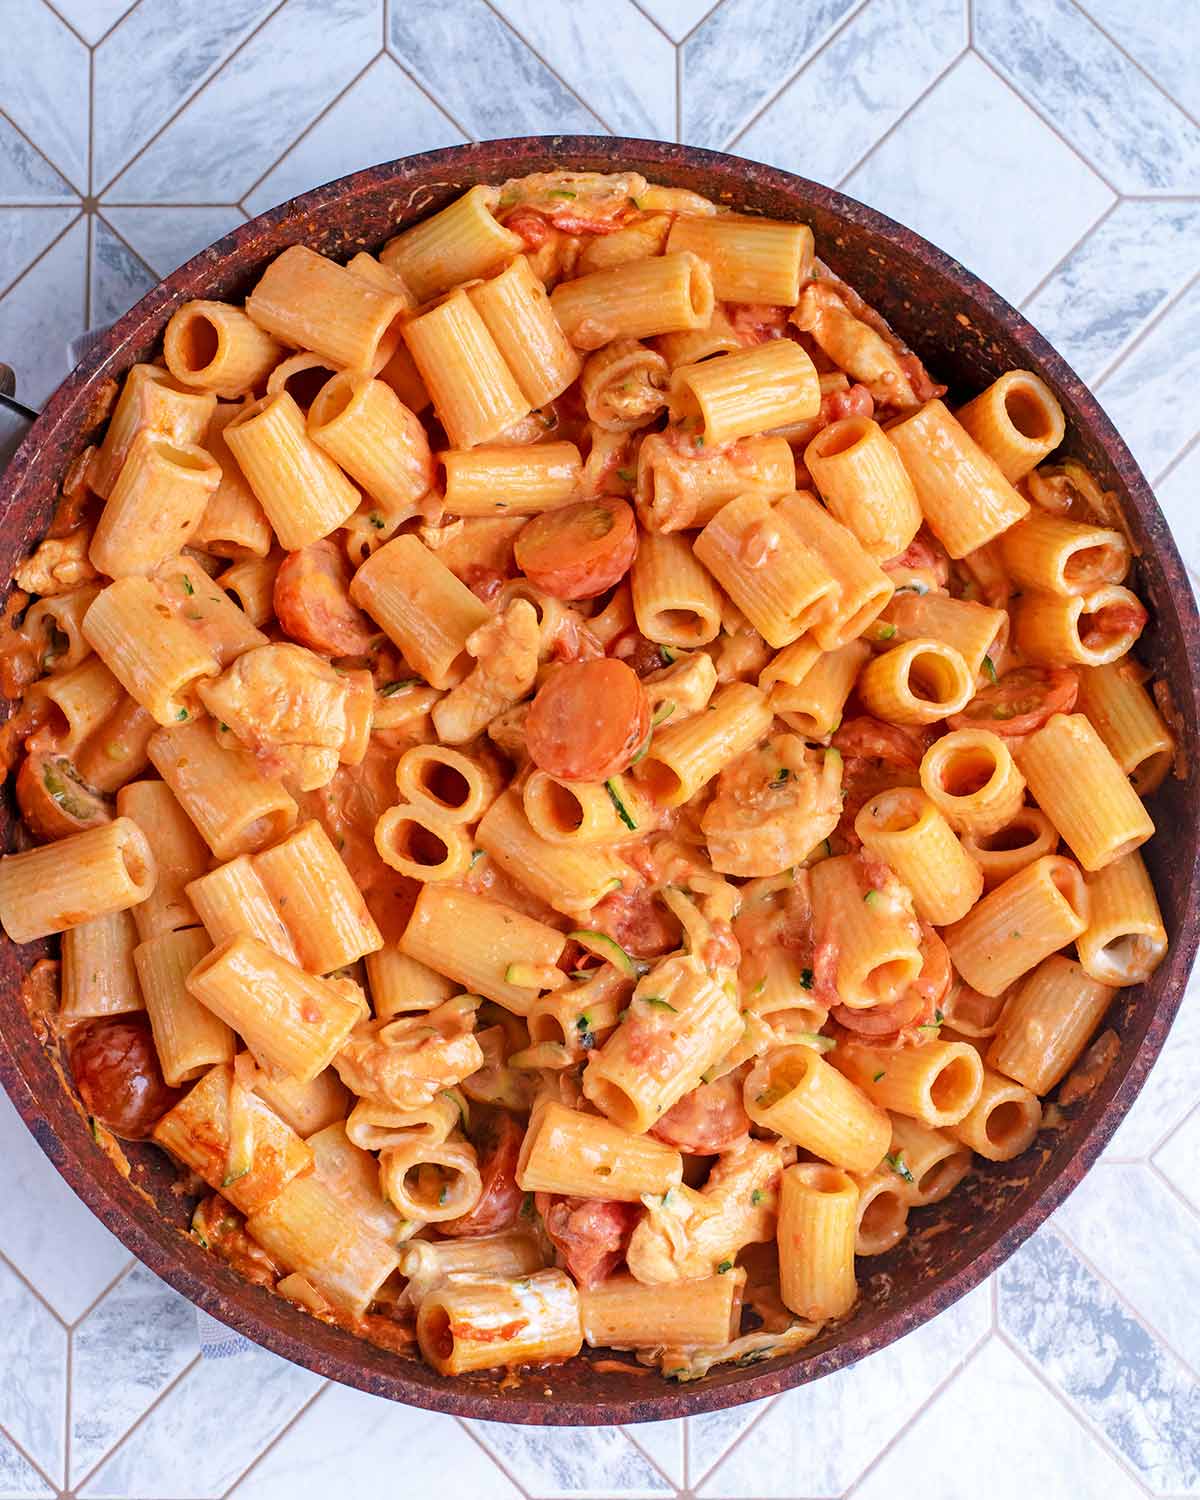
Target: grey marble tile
[(272, 88), (1164, 38), (25, 174), (1084, 1342), (165, 236), (206, 1431), (1146, 1243), (1104, 105), (382, 116), (1144, 395), (548, 1462), (1170, 1090), (119, 277), (44, 86), (33, 1378), (346, 1441), (996, 1433), (24, 234), (929, 173), (146, 49), (19, 1480), (124, 1354), (857, 87), (92, 18), (458, 49), (710, 1437), (1117, 280), (1179, 1159), (663, 1443), (677, 17), (779, 1459), (629, 83), (742, 54)]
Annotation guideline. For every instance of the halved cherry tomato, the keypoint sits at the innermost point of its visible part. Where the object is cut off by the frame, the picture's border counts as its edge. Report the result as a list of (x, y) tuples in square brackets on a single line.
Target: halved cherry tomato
[(1125, 618), (588, 719), (531, 226), (115, 1067), (1021, 701), (709, 1119), (875, 740), (901, 1023), (580, 550), (638, 921), (590, 1235), (497, 1138), (312, 602), (54, 799)]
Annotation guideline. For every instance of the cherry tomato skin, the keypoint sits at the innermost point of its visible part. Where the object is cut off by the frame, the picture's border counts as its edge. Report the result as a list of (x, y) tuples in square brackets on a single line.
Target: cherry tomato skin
[(588, 720), (579, 551), (1022, 701), (116, 1071), (312, 602), (497, 1138)]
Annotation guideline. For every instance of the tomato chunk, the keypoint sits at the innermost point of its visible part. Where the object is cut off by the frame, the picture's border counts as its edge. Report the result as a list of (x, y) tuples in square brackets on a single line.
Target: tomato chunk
[(497, 1138), (312, 602), (590, 1236), (1022, 701), (588, 719), (116, 1071), (54, 799), (707, 1120), (579, 551)]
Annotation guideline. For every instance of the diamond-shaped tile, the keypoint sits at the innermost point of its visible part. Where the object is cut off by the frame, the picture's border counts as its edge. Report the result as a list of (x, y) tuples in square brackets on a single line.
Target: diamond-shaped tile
[(24, 234), (19, 1480), (165, 236), (780, 1460), (382, 116), (25, 174), (272, 87), (711, 1436), (548, 1462), (1095, 96), (124, 1354), (92, 18), (857, 87), (677, 17), (346, 1441), (1179, 1159), (929, 174), (44, 85), (119, 277), (1170, 1090), (663, 1443), (33, 1379), (1132, 1390), (1162, 37)]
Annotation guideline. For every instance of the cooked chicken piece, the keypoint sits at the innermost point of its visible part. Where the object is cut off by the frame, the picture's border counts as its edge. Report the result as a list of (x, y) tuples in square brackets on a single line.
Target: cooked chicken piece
[(281, 695), (506, 662), (773, 807), (853, 346), (407, 1062)]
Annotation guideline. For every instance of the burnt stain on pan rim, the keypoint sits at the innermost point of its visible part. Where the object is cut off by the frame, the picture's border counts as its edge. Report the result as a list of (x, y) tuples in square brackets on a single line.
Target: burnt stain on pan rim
[(968, 335)]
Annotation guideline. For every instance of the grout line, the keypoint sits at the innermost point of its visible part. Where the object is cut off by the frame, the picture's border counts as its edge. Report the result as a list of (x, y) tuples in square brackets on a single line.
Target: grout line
[(311, 126), (525, 42), (1186, 1203), (1063, 259), (129, 1431), (29, 1458), (68, 1406), (971, 23), (468, 1428), (642, 11), (737, 1442), (467, 135), (851, 15), (195, 94), (129, 1265), (91, 152), (654, 1464), (1183, 453), (1165, 307), (1193, 198), (1144, 71), (54, 11), (279, 1436), (121, 19), (88, 250), (143, 203), (704, 19), (679, 94), (137, 255), (900, 119), (687, 1456), (33, 145), (41, 255)]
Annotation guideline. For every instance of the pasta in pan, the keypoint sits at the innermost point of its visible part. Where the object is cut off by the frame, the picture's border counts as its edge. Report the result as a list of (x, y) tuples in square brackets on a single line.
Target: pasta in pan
[(570, 769)]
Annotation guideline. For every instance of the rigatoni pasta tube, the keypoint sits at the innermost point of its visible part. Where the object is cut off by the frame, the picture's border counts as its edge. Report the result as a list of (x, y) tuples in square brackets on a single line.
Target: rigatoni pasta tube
[(310, 302), (686, 756), (180, 855), (1085, 629), (974, 630), (422, 607), (1047, 1023), (156, 504), (479, 1325), (882, 1211), (1125, 939), (681, 486), (865, 485), (585, 812), (818, 1220), (462, 241), (475, 941), (473, 390), (517, 312), (813, 707), (734, 395), (623, 1313), (232, 899), (1003, 851), (234, 523), (863, 588), (624, 385), (937, 1083), (1004, 1121), (970, 777), (962, 492), (795, 1093), (310, 886), (236, 809), (1034, 913), (636, 300), (917, 682), (150, 398), (422, 844), (902, 827), (936, 1162), (570, 879), (293, 1022), (431, 1183), (400, 984), (879, 952), (511, 481), (367, 430), (1017, 421), (779, 582), (1123, 714), (1061, 556), (251, 583), (456, 786), (1082, 790), (306, 1107), (192, 596), (750, 259), (352, 1176), (674, 599), (98, 976), (86, 875), (77, 703), (188, 1037), (213, 346), (587, 1156), (155, 656), (429, 1263), (303, 492)]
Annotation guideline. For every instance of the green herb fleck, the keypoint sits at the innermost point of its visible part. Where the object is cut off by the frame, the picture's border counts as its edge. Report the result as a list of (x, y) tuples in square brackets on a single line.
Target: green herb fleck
[(759, 987), (587, 1037), (442, 1196), (871, 897), (726, 1265), (375, 519), (806, 979), (476, 856), (780, 776), (877, 1076), (187, 584), (527, 1206), (886, 632), (561, 193), (659, 1003), (622, 811), (181, 715), (698, 440), (756, 1197), (626, 476), (900, 1166), (989, 666), (395, 687)]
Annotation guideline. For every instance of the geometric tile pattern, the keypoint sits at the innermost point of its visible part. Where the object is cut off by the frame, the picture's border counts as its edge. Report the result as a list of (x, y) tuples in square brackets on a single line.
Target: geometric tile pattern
[(1054, 147)]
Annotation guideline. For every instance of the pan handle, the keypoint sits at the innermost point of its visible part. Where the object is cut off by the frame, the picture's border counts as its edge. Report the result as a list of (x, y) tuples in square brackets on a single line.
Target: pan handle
[(15, 419)]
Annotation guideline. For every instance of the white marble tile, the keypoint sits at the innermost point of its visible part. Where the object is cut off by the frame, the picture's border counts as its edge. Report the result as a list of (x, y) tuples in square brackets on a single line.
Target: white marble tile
[(1163, 37), (346, 1441), (44, 85), (92, 18), (124, 1354), (24, 234), (1179, 1159), (1170, 1090), (663, 1443), (857, 87), (711, 1436), (1132, 1390), (164, 237), (677, 17), (459, 48), (19, 1480), (929, 173), (33, 1378), (145, 51), (272, 88), (119, 276), (1118, 279), (1143, 1240), (742, 54), (384, 115), (592, 1462), (25, 174), (780, 1459), (1145, 393), (1094, 95), (206, 1431), (996, 1434), (629, 83)]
